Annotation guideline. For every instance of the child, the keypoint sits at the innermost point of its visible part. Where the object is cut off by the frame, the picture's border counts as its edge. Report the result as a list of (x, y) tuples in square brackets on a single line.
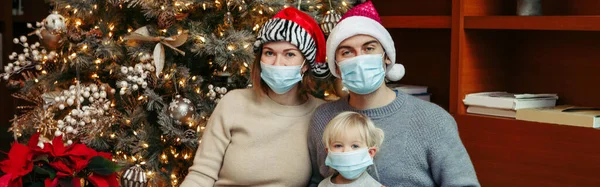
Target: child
[(351, 141)]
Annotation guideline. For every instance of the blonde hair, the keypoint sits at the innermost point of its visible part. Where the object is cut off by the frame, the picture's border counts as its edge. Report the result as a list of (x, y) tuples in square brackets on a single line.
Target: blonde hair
[(372, 135), (306, 86)]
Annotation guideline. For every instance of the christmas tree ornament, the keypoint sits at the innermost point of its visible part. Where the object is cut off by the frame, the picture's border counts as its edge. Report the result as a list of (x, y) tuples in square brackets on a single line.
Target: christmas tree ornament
[(190, 134), (51, 41), (142, 34), (134, 177), (74, 36), (166, 20), (55, 23), (329, 21), (181, 110)]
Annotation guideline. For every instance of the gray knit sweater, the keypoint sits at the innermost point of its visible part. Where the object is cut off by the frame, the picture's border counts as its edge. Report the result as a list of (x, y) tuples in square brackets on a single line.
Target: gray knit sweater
[(422, 146)]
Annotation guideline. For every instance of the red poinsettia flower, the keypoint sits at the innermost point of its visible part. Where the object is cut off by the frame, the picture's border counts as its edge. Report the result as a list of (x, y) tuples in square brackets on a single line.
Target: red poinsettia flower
[(16, 166), (33, 141), (104, 181)]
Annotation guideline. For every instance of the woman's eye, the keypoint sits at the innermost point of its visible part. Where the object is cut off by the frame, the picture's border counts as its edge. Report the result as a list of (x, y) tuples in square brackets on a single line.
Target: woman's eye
[(291, 54), (268, 53)]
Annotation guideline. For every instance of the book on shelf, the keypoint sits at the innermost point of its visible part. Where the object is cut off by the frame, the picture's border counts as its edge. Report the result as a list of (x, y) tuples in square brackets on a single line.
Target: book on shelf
[(507, 113), (414, 90), (562, 115), (511, 101)]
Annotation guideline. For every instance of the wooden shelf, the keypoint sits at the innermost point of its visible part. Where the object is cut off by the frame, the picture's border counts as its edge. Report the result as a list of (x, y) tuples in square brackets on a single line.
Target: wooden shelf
[(509, 152), (574, 23), (432, 22)]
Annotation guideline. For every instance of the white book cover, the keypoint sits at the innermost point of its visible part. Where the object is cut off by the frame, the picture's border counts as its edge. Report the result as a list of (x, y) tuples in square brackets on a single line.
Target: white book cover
[(492, 111), (504, 100)]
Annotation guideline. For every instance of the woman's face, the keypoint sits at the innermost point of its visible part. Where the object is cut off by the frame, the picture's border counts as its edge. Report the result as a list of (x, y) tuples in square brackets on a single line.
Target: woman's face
[(281, 53)]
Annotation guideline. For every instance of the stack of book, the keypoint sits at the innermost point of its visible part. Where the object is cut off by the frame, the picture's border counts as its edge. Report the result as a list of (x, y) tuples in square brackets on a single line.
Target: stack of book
[(504, 104), (414, 90)]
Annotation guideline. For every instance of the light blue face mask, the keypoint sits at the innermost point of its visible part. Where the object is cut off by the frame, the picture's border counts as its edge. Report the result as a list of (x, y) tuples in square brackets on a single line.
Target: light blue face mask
[(281, 79), (349, 164), (362, 74)]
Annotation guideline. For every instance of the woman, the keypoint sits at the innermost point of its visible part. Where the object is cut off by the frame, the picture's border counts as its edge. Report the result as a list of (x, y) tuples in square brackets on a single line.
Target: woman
[(258, 136)]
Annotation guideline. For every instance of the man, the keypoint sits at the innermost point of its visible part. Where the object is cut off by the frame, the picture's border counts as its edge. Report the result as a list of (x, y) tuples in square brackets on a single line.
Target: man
[(421, 146)]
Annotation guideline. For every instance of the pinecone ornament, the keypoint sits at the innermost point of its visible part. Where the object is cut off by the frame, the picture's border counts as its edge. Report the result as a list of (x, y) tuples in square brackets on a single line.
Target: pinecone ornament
[(165, 20), (329, 21), (190, 134), (134, 177), (74, 36)]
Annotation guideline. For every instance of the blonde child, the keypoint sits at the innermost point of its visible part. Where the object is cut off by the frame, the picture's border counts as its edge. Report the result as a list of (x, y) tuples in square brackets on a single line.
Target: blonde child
[(351, 141)]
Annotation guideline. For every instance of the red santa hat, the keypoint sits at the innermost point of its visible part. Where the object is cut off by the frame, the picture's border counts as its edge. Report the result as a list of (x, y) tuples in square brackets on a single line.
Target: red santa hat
[(363, 19), (301, 30)]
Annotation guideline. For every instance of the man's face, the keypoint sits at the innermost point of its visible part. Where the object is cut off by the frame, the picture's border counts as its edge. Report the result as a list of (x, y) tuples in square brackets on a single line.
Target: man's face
[(356, 46)]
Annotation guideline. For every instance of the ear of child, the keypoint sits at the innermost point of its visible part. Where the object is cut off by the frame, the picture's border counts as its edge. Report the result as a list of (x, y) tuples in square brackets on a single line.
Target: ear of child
[(372, 151)]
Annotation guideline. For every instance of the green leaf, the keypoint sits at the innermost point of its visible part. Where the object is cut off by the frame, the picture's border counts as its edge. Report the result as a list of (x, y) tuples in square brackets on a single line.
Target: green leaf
[(43, 171), (43, 157), (102, 166), (37, 184)]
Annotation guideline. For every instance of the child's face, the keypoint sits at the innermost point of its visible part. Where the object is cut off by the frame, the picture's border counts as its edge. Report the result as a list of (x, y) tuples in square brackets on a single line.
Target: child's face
[(350, 140)]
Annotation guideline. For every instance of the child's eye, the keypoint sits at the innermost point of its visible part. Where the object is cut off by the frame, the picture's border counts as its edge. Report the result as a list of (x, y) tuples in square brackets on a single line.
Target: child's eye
[(337, 146), (354, 146)]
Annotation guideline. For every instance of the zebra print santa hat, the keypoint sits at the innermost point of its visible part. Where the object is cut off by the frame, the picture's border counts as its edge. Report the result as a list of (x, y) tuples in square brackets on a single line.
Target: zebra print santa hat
[(298, 28)]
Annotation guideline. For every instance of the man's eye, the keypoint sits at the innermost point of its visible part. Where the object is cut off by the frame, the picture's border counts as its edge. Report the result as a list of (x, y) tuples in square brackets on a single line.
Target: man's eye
[(370, 48)]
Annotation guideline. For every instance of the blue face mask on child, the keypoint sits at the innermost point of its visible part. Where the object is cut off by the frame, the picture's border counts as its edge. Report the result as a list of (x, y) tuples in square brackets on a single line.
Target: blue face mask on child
[(363, 74), (281, 79), (349, 164)]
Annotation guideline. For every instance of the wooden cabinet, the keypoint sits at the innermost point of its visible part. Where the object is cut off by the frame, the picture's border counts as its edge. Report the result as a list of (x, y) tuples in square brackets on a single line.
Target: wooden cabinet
[(11, 27), (456, 47)]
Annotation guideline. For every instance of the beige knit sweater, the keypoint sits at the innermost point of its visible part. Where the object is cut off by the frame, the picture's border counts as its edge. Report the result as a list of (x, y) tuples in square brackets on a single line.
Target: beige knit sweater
[(254, 142)]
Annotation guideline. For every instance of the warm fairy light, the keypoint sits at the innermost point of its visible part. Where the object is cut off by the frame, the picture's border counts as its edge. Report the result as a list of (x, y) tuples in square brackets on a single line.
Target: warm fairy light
[(75, 11), (202, 128), (164, 30), (179, 31), (224, 67), (260, 12), (178, 139), (204, 6), (111, 27), (194, 78), (72, 56), (177, 3), (55, 82), (143, 163), (68, 6), (163, 156), (140, 98), (134, 159), (128, 122), (145, 145), (44, 72), (246, 46), (95, 75), (95, 6), (256, 27), (186, 156), (198, 90), (245, 64), (271, 9), (78, 22), (181, 83), (167, 76), (84, 47), (129, 30), (112, 135), (326, 94), (344, 3), (202, 39), (230, 47), (110, 34), (98, 61), (134, 133), (36, 80), (162, 7)]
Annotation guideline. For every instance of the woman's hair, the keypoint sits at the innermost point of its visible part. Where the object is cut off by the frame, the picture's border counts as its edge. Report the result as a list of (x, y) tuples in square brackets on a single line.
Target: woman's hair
[(306, 86), (372, 135)]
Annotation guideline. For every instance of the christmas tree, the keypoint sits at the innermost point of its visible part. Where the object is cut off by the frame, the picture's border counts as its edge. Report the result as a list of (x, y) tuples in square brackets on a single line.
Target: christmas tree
[(140, 78)]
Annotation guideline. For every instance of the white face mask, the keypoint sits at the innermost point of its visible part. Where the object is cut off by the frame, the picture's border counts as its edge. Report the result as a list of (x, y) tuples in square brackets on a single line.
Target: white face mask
[(349, 164), (281, 79), (363, 74)]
